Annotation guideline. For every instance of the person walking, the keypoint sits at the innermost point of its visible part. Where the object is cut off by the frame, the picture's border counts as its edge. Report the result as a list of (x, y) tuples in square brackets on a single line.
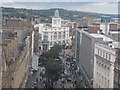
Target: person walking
[(37, 79), (60, 85)]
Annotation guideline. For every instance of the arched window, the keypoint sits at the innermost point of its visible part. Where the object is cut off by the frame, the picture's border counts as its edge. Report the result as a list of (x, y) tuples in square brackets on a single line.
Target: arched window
[(55, 35), (64, 34), (63, 42), (59, 42), (59, 35)]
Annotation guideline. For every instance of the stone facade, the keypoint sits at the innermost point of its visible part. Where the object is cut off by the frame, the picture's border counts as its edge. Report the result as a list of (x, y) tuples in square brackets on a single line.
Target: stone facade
[(104, 59), (55, 33), (16, 57)]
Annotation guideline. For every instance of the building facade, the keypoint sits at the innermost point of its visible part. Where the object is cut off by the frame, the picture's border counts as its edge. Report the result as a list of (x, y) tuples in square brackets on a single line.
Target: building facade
[(55, 33), (84, 56), (117, 70), (104, 60), (96, 56), (16, 55)]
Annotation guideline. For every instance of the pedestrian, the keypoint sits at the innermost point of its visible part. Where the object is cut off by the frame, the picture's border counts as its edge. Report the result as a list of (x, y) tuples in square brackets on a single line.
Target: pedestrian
[(44, 81), (60, 85), (71, 85), (44, 84), (40, 78), (37, 79), (63, 86)]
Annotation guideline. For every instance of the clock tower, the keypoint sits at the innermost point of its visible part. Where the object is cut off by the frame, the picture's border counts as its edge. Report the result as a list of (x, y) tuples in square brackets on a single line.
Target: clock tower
[(56, 20)]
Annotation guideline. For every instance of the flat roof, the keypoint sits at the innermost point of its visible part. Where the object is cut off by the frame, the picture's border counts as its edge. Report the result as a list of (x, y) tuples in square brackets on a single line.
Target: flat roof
[(105, 38)]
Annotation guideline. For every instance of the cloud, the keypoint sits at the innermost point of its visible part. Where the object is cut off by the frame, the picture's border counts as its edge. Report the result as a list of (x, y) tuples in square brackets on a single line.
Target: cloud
[(60, 1), (100, 7), (7, 1)]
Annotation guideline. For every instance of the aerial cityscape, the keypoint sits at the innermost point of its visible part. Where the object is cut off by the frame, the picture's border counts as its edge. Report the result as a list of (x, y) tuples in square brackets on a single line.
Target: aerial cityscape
[(62, 45)]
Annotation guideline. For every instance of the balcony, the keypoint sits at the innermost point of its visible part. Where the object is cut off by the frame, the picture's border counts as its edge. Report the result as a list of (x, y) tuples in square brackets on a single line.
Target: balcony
[(101, 58)]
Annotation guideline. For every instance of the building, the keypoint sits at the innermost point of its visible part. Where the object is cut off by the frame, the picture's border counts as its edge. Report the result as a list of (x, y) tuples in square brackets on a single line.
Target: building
[(104, 60), (105, 19), (107, 28), (90, 19), (93, 29), (84, 51), (117, 70), (96, 70), (16, 55), (53, 33), (81, 23)]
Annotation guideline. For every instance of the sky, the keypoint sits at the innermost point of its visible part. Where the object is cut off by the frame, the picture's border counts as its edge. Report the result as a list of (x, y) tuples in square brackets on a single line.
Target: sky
[(98, 6)]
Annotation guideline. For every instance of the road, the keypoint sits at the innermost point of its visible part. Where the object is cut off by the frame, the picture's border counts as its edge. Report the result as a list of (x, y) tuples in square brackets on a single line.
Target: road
[(38, 81)]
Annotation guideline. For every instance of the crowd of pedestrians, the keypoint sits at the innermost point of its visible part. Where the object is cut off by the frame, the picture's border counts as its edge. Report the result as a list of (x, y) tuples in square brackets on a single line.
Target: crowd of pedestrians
[(70, 71), (69, 79)]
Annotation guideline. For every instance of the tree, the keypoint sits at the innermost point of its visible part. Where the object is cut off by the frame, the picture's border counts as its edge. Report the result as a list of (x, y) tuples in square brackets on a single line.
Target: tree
[(79, 85), (53, 52), (53, 67), (53, 70)]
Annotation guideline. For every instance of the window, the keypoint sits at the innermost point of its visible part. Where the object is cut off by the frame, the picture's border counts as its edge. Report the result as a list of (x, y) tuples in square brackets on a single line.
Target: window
[(103, 54), (106, 55), (102, 67), (105, 81), (45, 36), (55, 22), (102, 79), (98, 51), (59, 35), (55, 36), (108, 83), (105, 69), (97, 62), (51, 37), (108, 71), (51, 44), (64, 34), (109, 57), (44, 47)]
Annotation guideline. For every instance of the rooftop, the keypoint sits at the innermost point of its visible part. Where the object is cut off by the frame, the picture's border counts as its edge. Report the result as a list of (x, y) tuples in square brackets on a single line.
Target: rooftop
[(101, 36)]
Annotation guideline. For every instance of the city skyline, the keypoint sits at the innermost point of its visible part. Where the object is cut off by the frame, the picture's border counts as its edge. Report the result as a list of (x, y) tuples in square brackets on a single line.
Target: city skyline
[(57, 48), (97, 7)]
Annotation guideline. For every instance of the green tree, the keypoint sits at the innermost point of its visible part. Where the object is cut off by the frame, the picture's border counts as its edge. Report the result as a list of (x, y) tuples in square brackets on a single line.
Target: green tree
[(79, 85), (53, 70), (53, 52)]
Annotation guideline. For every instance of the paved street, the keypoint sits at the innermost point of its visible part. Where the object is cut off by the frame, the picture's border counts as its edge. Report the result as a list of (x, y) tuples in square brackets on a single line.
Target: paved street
[(32, 79), (36, 79)]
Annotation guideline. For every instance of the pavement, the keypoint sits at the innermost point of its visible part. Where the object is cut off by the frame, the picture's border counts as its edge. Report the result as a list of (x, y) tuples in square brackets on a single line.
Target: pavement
[(33, 78), (39, 81)]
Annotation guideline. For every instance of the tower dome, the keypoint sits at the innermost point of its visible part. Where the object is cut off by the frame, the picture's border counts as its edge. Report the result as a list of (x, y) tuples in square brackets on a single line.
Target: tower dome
[(56, 19), (56, 13)]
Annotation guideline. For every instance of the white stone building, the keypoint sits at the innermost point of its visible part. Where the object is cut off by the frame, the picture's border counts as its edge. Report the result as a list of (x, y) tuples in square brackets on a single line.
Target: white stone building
[(104, 59), (55, 33), (96, 57)]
